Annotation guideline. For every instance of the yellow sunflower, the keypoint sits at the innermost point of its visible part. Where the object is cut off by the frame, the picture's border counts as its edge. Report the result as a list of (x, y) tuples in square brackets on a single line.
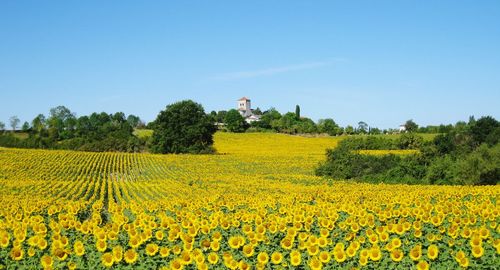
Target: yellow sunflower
[(397, 255), (423, 265), (432, 252), (375, 253), (213, 258), (130, 256), (262, 258), (151, 249), (276, 257), (477, 251), (107, 259), (117, 254), (46, 261), (416, 253)]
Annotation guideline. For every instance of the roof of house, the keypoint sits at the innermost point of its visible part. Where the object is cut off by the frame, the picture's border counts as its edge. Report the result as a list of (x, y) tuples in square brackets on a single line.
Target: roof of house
[(243, 98), (254, 116)]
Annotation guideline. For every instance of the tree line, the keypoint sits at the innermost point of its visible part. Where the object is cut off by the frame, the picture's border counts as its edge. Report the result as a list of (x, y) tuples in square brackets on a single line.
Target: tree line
[(272, 120), (468, 153), (62, 129)]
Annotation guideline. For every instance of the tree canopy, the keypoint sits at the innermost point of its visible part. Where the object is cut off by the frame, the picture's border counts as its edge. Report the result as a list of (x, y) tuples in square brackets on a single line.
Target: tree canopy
[(183, 127), (235, 122)]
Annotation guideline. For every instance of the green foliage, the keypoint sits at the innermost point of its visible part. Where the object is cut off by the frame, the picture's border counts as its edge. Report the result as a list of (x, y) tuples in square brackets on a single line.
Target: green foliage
[(368, 143), (451, 158), (410, 141), (306, 125), (349, 130), (134, 121), (220, 116), (362, 127), (235, 122), (268, 120), (485, 130), (25, 127), (344, 163), (481, 166), (39, 123), (411, 126), (14, 122), (442, 171), (328, 126), (183, 127), (62, 130)]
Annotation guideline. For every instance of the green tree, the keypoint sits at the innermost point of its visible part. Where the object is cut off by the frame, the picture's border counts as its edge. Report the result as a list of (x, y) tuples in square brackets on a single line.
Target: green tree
[(306, 125), (411, 126), (183, 127), (133, 120), (297, 111), (349, 130), (409, 141), (362, 127), (61, 123), (481, 166), (328, 126), (288, 123), (14, 122), (235, 122), (2, 126), (269, 118), (25, 127), (482, 129), (375, 131), (38, 123), (221, 115)]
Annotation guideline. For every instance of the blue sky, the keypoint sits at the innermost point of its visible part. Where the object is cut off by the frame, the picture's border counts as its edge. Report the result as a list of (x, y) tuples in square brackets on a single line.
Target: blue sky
[(381, 62)]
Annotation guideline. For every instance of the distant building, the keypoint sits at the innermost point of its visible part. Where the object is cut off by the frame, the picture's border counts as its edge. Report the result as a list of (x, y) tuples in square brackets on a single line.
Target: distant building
[(253, 118), (245, 109), (244, 106), (402, 128)]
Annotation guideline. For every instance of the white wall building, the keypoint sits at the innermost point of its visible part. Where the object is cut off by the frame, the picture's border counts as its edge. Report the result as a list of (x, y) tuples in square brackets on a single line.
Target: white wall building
[(244, 106), (402, 128), (245, 109)]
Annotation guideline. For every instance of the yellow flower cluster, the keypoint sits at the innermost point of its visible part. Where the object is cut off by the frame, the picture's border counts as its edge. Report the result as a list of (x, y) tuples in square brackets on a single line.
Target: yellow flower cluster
[(387, 152), (256, 204)]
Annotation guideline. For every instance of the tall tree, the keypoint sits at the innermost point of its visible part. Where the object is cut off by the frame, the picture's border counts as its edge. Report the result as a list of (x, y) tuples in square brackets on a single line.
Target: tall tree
[(235, 122), (14, 122), (134, 120), (362, 127), (2, 126), (38, 123), (183, 127), (411, 126), (61, 123), (25, 127), (297, 111)]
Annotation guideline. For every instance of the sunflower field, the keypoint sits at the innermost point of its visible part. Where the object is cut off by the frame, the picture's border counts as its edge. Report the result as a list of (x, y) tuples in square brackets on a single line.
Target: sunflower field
[(255, 205)]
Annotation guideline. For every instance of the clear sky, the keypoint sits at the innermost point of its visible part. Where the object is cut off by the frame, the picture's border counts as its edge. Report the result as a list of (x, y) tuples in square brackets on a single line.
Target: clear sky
[(382, 62)]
